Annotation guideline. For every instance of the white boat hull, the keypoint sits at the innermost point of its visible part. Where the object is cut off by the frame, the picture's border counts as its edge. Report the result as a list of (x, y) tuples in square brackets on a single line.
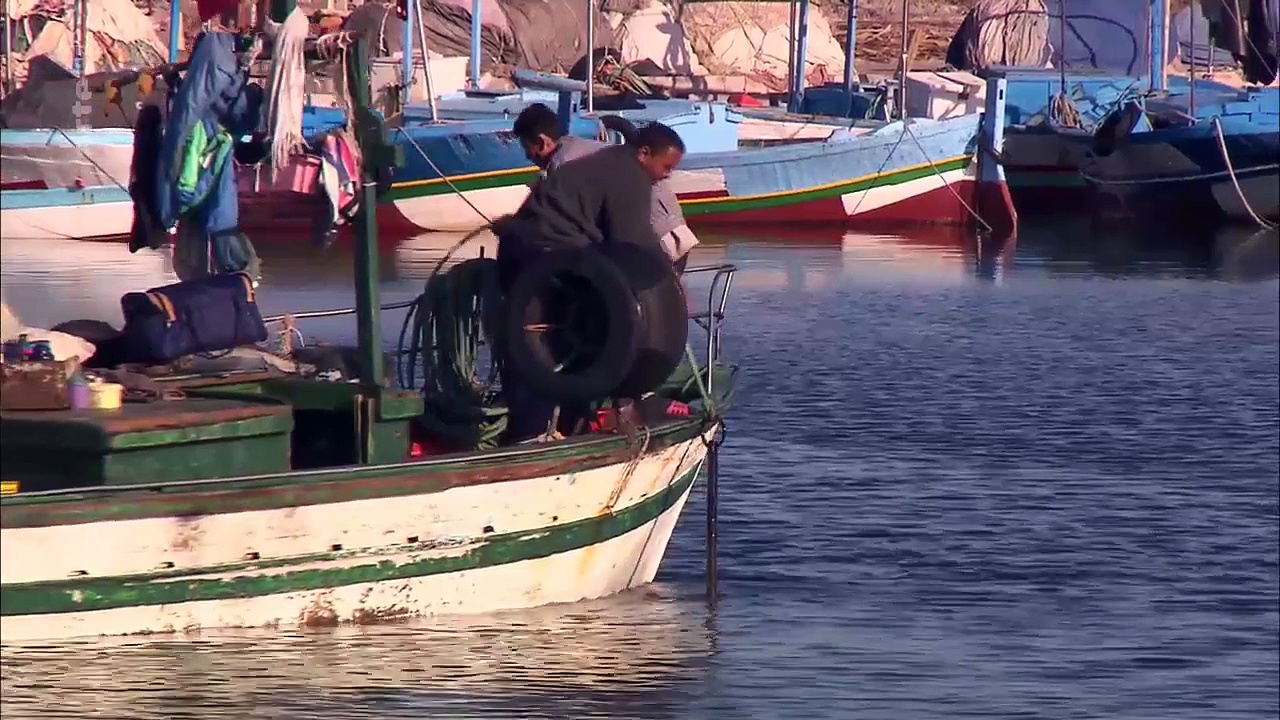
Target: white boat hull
[(471, 549), (73, 222)]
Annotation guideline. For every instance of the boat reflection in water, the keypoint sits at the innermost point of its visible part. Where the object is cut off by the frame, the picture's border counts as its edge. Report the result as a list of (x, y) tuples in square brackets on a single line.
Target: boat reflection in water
[(51, 280), (1085, 248), (639, 654)]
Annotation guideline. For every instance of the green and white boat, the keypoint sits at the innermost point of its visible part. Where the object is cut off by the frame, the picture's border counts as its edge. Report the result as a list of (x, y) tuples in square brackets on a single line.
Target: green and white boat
[(215, 510)]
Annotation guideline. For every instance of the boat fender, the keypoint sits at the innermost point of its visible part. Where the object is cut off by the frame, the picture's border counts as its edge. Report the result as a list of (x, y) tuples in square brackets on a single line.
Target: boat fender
[(587, 324), (1115, 129)]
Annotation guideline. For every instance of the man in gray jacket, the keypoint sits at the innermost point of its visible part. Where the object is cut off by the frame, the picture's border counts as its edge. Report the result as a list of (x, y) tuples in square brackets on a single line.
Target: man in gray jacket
[(538, 129)]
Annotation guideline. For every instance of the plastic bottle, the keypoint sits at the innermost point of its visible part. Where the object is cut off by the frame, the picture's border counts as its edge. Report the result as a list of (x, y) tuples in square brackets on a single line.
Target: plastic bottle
[(78, 389)]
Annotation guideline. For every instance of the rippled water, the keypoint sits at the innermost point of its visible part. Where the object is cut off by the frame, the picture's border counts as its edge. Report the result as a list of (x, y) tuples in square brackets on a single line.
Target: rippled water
[(1046, 488)]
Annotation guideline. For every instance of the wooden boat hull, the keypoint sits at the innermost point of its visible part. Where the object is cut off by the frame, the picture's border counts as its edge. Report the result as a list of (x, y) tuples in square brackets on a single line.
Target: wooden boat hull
[(351, 545), (887, 177)]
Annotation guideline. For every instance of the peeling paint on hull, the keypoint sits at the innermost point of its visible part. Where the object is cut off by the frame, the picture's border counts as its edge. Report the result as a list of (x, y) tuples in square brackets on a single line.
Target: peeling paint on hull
[(500, 546)]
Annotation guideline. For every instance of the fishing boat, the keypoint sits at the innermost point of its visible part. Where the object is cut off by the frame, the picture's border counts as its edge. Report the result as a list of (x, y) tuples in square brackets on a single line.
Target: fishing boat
[(261, 499), (1168, 167), (868, 172), (1087, 59)]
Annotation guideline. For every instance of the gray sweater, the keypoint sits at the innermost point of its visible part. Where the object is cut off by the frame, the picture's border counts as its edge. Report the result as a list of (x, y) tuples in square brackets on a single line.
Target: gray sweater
[(665, 212), (603, 197)]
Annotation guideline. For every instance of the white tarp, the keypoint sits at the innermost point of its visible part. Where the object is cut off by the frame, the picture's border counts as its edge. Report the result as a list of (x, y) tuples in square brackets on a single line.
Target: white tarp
[(753, 39), (653, 33)]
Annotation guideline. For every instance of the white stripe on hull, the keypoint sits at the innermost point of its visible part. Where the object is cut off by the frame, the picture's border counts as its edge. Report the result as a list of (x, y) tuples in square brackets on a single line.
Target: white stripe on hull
[(97, 220), (449, 212), (65, 165), (609, 567), (127, 547), (862, 202)]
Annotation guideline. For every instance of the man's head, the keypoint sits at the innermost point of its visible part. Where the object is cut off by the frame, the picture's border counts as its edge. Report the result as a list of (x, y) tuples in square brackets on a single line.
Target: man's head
[(538, 129), (659, 149)]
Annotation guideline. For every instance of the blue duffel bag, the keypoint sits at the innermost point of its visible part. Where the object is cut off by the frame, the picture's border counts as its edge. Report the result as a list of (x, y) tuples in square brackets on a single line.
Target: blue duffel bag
[(213, 313)]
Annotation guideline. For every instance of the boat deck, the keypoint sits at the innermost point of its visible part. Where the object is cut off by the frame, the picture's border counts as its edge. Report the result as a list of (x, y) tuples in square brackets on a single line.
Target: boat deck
[(225, 426)]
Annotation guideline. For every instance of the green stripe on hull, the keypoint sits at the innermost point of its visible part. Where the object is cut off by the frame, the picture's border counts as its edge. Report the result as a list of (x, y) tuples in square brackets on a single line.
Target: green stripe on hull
[(463, 184), (88, 594), (731, 204)]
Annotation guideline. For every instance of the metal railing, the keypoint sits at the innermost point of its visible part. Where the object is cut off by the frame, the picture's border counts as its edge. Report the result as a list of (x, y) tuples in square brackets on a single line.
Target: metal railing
[(711, 320)]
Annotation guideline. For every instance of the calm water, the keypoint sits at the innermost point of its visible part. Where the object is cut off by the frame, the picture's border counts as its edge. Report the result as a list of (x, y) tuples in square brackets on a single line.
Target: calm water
[(1046, 489)]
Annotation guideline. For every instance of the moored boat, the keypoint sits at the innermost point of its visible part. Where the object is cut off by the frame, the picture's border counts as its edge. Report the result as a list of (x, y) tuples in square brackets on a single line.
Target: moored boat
[(274, 497)]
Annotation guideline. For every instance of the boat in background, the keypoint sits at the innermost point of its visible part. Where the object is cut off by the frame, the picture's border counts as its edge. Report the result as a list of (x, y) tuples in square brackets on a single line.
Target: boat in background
[(1157, 164)]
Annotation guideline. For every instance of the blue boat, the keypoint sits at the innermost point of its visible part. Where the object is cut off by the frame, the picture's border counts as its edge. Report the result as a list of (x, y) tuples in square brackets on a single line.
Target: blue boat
[(1101, 54), (1157, 163)]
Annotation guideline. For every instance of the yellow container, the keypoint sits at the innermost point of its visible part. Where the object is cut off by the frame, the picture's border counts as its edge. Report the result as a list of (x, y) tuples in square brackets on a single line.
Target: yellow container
[(105, 396)]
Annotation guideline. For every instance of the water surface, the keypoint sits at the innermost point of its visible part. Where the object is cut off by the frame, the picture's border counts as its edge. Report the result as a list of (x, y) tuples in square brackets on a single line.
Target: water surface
[(1045, 487)]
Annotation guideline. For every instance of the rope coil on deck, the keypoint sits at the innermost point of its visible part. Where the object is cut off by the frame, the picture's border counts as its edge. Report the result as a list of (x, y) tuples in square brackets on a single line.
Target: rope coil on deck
[(443, 334)]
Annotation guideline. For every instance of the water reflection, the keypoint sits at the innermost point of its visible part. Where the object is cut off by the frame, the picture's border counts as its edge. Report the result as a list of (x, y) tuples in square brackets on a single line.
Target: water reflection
[(56, 279), (641, 654)]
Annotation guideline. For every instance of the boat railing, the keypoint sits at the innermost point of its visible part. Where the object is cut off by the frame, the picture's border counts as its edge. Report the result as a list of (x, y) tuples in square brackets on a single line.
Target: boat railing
[(712, 319)]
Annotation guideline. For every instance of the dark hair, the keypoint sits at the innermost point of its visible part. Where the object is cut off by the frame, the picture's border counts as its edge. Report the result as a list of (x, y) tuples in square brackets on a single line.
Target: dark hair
[(535, 120), (657, 137)]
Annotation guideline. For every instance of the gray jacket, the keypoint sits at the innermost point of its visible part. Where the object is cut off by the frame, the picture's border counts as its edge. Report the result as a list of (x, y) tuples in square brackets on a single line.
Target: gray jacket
[(665, 215)]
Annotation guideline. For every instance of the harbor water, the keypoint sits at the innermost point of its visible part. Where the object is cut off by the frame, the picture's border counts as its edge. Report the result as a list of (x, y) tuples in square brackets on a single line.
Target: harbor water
[(955, 485)]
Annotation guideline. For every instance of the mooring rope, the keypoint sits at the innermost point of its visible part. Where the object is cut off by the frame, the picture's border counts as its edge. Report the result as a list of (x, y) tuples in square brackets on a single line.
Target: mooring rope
[(1235, 182)]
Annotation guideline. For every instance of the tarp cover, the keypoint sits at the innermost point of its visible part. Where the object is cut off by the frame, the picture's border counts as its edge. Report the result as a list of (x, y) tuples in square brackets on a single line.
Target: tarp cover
[(552, 32)]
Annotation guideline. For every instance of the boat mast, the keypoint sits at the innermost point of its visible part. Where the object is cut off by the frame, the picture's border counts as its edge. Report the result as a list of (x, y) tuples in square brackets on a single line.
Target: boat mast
[(79, 38), (8, 46), (795, 91), (426, 70), (476, 26), (1159, 17), (1194, 14), (591, 56), (902, 68), (850, 48), (411, 10), (175, 29)]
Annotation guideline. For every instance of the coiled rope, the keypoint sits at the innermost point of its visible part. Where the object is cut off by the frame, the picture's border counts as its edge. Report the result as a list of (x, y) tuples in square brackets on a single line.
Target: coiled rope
[(446, 334)]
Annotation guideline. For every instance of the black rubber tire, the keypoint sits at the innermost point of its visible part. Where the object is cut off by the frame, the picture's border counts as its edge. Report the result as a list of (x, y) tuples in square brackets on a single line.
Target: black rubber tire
[(664, 318), (532, 355), (620, 125), (1115, 129)]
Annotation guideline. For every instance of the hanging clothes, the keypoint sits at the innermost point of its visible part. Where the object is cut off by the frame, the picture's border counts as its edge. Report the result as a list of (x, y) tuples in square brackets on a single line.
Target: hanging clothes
[(195, 175), (339, 182), (1262, 51)]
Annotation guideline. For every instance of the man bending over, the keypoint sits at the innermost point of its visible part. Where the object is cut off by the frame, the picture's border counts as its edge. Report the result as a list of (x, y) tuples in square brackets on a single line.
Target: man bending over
[(604, 197), (538, 129)]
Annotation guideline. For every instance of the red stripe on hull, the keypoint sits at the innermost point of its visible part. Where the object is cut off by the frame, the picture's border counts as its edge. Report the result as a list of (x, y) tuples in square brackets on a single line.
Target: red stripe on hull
[(937, 206), (25, 185)]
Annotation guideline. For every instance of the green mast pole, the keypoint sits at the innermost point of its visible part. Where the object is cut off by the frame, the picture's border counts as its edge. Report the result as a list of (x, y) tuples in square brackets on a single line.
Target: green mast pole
[(375, 152)]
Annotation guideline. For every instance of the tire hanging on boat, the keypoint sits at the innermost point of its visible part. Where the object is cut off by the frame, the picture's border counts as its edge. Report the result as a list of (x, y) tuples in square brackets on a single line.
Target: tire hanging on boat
[(584, 325)]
